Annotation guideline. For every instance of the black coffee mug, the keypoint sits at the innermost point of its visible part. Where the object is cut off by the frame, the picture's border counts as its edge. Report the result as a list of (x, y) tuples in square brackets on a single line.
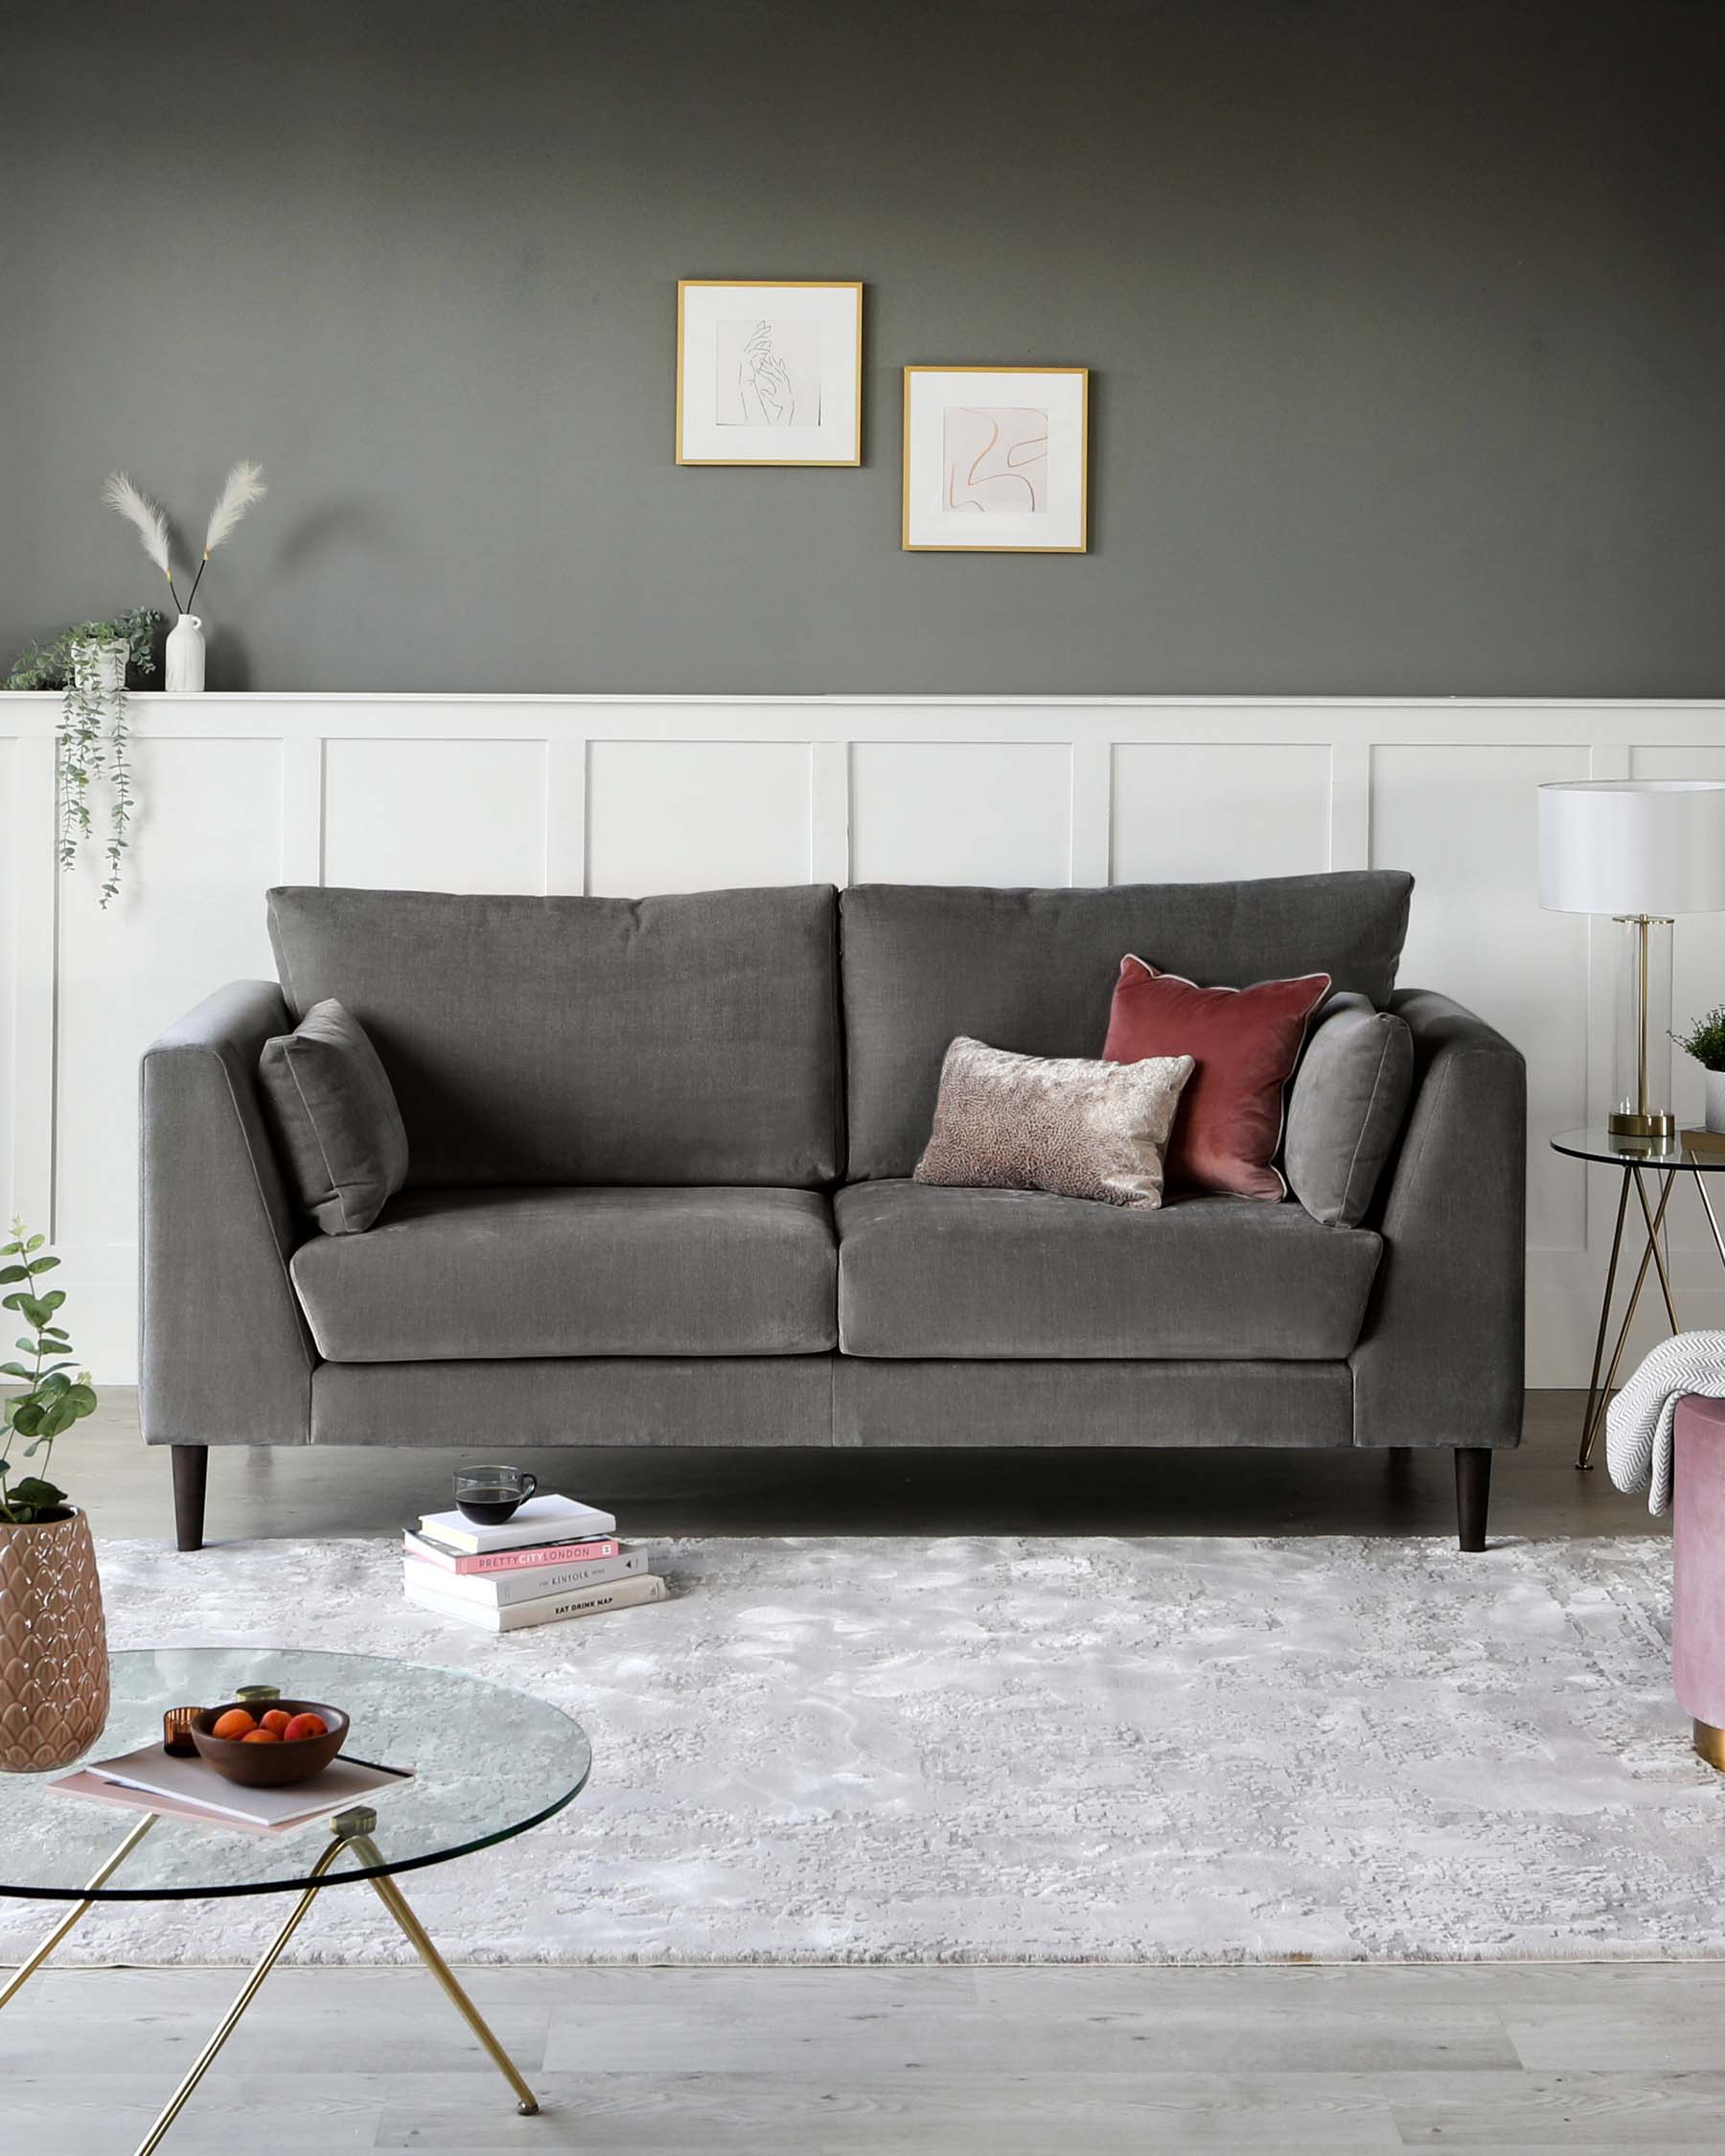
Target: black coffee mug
[(488, 1496)]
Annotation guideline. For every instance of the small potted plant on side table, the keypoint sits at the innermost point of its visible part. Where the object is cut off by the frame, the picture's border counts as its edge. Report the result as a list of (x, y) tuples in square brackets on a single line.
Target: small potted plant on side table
[(1705, 1040), (54, 1672)]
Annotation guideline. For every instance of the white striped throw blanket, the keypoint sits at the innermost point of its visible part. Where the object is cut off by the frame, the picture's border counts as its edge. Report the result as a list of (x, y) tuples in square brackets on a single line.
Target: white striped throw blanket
[(1638, 1423)]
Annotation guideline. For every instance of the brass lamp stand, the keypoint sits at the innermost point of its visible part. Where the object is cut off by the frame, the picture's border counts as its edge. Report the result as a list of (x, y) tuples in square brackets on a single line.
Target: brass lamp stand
[(1643, 1120)]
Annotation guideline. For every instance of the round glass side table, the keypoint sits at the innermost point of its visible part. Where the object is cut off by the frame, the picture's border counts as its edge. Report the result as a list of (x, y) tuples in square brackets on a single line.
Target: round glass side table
[(488, 1763), (1670, 1160)]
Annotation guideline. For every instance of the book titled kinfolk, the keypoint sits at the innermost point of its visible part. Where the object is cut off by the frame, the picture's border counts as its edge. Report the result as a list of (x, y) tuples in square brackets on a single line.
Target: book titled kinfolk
[(527, 1583), (471, 1563), (542, 1609), (542, 1519)]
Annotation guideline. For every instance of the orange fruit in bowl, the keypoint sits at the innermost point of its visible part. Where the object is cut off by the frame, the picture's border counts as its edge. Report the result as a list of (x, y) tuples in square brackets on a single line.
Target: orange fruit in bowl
[(277, 1719), (304, 1726), (261, 1736), (235, 1723)]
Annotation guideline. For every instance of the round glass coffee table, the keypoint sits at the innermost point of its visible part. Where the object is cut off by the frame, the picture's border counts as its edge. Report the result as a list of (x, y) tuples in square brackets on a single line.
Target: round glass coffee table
[(488, 1763), (1637, 1157)]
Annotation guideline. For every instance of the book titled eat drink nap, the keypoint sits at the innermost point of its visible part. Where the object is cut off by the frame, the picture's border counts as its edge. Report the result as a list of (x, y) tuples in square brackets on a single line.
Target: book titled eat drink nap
[(543, 1608), (541, 1520)]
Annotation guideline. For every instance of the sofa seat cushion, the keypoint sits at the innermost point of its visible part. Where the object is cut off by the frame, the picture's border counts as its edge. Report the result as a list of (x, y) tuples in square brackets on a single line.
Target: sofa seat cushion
[(937, 1273), (495, 1274)]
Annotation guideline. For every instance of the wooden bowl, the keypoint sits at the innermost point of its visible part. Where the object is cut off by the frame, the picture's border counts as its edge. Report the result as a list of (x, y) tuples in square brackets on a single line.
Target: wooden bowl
[(269, 1766)]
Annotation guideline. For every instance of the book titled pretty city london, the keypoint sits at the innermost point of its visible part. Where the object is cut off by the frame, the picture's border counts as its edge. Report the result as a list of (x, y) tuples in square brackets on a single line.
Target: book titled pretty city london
[(554, 1558)]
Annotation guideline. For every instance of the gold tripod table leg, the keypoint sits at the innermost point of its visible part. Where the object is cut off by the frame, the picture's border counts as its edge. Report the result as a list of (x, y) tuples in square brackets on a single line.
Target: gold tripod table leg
[(22, 1974), (1664, 1278), (1590, 1434), (1707, 1201), (249, 1991), (395, 1902), (1611, 1271)]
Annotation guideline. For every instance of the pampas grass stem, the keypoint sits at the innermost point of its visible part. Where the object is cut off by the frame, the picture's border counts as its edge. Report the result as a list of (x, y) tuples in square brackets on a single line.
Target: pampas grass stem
[(152, 522), (243, 484)]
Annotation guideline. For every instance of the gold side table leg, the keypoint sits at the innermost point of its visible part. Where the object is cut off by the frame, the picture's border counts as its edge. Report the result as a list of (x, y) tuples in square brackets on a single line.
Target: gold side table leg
[(1590, 1435), (1593, 1380), (1707, 1201), (21, 1975), (249, 1991), (395, 1902), (1665, 1280)]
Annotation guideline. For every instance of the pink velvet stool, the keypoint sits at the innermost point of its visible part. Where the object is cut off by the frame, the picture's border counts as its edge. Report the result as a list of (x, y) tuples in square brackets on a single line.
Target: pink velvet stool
[(1698, 1570)]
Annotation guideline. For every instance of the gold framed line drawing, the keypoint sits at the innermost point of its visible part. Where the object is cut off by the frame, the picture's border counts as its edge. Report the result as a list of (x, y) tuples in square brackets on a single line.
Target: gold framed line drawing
[(769, 372), (995, 460)]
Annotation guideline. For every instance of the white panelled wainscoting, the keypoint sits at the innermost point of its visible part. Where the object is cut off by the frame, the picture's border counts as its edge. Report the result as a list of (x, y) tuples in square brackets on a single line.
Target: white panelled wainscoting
[(632, 795)]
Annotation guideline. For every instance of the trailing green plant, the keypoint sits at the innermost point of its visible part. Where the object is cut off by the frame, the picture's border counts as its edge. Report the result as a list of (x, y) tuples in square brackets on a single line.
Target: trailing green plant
[(53, 1399), (49, 666), (1705, 1040), (92, 735)]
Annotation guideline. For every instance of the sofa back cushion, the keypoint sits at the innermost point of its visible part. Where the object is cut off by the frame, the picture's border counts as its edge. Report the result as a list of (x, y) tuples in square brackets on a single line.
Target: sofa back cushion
[(689, 1040), (1035, 972)]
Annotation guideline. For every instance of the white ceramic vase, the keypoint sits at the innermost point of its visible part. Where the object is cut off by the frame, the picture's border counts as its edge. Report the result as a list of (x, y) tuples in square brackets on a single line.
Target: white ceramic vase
[(1716, 1100), (184, 668)]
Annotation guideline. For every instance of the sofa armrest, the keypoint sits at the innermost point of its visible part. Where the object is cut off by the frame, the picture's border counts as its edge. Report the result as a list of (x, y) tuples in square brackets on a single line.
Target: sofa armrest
[(225, 1355), (1440, 1360)]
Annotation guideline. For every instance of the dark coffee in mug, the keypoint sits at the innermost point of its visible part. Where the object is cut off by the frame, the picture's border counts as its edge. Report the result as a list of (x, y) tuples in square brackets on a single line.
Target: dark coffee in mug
[(488, 1496)]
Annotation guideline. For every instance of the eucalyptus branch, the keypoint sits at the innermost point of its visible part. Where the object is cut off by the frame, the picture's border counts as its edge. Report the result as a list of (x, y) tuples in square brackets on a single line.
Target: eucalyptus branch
[(92, 738)]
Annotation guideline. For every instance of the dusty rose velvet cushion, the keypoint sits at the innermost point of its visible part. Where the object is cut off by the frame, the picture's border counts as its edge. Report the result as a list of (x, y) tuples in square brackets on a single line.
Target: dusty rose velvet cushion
[(1244, 1044), (1059, 1123)]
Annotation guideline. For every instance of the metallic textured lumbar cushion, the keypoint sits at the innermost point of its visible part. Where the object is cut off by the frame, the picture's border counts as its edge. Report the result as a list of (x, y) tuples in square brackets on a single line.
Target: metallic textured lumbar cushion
[(1059, 1123)]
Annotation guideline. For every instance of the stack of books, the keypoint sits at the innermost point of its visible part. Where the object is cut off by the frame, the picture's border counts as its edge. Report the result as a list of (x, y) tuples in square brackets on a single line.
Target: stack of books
[(152, 1779), (555, 1558)]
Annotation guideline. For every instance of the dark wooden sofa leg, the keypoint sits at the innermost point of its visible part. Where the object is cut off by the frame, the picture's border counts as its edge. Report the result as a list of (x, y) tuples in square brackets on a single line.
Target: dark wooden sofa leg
[(1473, 1494), (191, 1472)]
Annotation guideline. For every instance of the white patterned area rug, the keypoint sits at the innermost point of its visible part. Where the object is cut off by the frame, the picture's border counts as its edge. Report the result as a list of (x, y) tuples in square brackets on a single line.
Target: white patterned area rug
[(1007, 1750)]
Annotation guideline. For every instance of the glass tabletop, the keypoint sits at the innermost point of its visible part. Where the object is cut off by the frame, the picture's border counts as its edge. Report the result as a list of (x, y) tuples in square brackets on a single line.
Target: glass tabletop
[(1597, 1144), (489, 1762)]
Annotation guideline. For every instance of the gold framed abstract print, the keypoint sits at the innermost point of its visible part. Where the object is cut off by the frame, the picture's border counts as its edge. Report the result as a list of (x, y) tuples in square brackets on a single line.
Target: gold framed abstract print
[(996, 459), (768, 373)]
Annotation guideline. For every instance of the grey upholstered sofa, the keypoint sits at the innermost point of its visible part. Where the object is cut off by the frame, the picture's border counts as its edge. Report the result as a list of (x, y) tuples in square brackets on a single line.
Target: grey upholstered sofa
[(660, 1192)]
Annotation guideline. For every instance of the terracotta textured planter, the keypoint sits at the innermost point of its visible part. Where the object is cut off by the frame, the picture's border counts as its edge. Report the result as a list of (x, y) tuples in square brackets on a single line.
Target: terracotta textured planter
[(54, 1667)]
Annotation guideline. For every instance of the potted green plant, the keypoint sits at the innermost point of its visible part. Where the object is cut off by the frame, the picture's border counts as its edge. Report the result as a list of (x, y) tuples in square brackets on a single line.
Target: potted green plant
[(89, 663), (53, 1674), (1705, 1040)]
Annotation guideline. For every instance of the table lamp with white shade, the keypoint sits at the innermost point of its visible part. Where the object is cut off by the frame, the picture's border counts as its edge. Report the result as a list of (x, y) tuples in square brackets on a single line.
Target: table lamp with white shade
[(1641, 851)]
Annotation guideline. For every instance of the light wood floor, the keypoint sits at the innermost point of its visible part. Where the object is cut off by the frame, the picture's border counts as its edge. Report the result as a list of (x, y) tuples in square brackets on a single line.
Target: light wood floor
[(945, 2061), (123, 1484)]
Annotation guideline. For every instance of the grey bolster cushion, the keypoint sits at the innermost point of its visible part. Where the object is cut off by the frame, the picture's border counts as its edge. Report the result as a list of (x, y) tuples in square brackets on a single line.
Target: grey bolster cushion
[(1346, 1108), (329, 1101), (227, 1355), (1440, 1362)]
